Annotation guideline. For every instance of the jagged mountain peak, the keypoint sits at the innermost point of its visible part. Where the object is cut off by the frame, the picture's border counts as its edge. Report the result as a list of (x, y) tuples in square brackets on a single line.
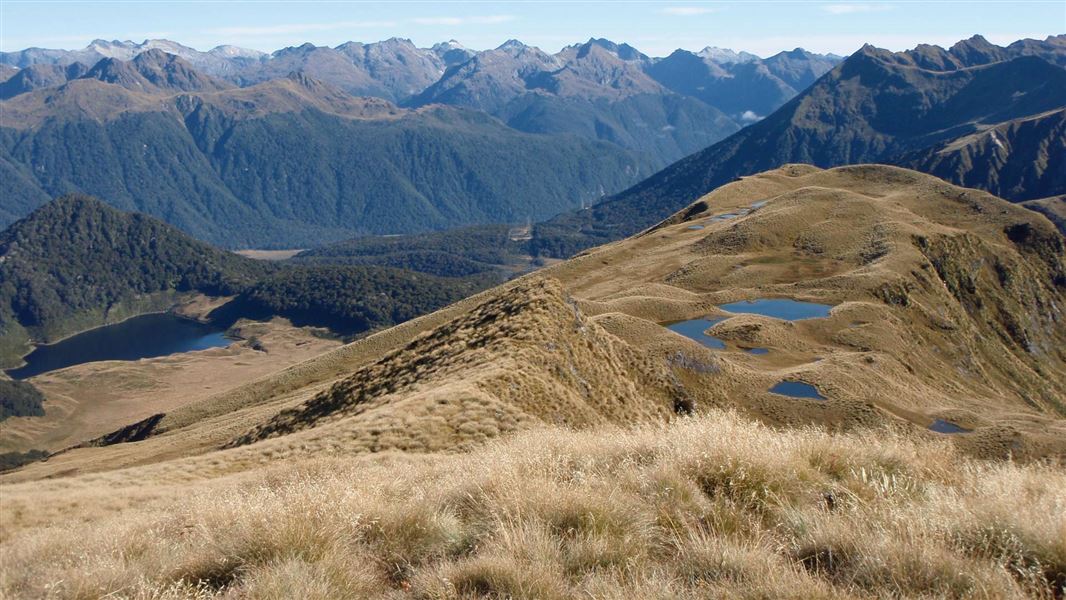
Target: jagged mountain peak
[(169, 46), (229, 51), (742, 85), (305, 80), (152, 71), (397, 41), (111, 44), (597, 69), (623, 51), (869, 49), (392, 69), (513, 45), (303, 48), (725, 55), (977, 50), (452, 53), (972, 52), (975, 41), (157, 57), (794, 53)]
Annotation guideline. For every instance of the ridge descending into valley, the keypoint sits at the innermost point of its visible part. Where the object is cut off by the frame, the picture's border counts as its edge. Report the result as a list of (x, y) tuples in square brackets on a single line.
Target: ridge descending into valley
[(976, 114), (946, 304), (938, 354)]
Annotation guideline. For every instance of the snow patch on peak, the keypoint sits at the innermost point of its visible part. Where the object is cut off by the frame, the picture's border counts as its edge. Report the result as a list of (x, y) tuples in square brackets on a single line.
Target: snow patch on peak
[(235, 52), (726, 56)]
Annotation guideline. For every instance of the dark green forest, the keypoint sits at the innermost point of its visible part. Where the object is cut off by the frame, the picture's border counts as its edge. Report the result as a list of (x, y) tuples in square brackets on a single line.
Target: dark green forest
[(301, 179), (12, 460), (349, 299), (20, 399), (77, 259), (77, 263), (456, 253)]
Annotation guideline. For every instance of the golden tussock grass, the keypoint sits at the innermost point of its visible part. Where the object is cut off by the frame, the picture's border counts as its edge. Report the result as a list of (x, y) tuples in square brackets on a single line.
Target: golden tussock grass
[(709, 506)]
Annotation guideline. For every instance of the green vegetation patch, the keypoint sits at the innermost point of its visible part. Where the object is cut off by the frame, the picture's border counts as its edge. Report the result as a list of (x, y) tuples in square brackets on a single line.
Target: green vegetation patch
[(20, 399)]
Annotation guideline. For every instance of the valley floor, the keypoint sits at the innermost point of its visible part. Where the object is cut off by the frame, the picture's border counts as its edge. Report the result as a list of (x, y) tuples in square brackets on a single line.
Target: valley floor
[(270, 254)]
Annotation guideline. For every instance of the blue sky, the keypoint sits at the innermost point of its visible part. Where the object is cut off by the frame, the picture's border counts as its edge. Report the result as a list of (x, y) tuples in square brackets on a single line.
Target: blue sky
[(657, 28)]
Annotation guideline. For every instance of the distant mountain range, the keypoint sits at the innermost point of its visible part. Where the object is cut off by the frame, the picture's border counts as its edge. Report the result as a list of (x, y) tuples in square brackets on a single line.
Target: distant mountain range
[(975, 114), (274, 150), (599, 90), (661, 108), (308, 144), (288, 162)]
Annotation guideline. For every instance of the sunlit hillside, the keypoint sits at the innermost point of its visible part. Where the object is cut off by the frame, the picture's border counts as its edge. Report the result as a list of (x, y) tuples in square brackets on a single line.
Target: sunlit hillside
[(808, 383)]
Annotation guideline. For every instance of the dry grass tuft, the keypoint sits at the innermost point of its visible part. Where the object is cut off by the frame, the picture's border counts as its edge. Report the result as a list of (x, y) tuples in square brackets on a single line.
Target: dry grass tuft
[(710, 506)]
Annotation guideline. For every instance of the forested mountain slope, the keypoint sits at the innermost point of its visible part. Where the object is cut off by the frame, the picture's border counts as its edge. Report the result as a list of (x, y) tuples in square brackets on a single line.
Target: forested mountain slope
[(290, 162), (76, 263), (599, 90)]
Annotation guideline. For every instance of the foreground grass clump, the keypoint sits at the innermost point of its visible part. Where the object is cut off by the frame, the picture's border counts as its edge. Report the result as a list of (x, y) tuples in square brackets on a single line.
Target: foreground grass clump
[(714, 506)]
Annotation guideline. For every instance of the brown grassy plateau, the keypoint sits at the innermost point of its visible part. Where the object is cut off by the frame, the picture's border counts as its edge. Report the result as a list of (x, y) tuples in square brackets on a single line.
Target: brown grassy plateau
[(642, 464)]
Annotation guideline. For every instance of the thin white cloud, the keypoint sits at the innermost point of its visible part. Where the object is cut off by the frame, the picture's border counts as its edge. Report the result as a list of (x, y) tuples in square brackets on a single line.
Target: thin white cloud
[(852, 9), (687, 11), (244, 31), (80, 41), (842, 44), (478, 20)]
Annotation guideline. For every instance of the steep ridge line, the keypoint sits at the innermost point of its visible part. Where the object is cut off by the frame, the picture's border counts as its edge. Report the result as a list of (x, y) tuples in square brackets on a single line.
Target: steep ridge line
[(947, 306), (527, 347)]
